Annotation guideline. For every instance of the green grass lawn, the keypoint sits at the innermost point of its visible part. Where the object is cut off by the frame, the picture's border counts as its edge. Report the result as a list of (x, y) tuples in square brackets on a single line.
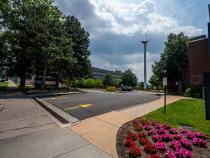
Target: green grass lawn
[(3, 86), (186, 111)]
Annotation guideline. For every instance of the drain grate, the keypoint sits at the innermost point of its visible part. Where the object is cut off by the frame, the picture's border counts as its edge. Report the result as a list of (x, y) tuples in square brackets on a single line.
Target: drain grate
[(61, 119)]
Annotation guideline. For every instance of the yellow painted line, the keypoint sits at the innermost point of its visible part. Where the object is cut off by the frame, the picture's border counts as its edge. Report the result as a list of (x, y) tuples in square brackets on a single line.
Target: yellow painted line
[(85, 105), (79, 106), (74, 107)]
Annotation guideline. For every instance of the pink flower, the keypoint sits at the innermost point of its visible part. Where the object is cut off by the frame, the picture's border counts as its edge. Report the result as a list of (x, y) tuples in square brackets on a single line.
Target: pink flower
[(167, 137), (151, 132), (161, 146), (186, 144), (157, 138), (175, 145), (170, 154), (173, 131), (199, 142), (183, 153), (178, 136), (147, 127), (161, 131), (184, 131), (200, 135)]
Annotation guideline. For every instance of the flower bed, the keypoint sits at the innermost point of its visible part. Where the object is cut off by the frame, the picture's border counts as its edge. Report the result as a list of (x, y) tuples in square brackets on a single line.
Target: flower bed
[(140, 138)]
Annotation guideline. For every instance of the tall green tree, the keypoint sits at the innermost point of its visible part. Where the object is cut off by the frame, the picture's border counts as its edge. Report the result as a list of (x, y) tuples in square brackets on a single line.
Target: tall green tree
[(173, 61), (129, 78), (81, 52), (109, 80)]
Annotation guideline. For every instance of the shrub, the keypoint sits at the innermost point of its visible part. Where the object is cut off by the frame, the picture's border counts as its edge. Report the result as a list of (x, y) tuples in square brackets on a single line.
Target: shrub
[(195, 92), (111, 89), (88, 83), (109, 80)]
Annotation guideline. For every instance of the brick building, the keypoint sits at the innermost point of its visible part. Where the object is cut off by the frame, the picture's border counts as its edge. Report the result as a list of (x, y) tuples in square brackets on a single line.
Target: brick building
[(199, 61)]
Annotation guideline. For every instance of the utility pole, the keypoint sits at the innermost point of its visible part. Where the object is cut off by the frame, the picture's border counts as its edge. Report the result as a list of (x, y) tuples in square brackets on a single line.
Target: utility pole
[(145, 61)]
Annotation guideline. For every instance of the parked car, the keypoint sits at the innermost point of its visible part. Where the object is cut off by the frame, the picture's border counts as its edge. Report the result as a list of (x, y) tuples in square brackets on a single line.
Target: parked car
[(126, 88)]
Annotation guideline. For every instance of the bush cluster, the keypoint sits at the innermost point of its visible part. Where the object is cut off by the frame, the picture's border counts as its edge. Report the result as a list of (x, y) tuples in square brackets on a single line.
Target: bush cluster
[(88, 83), (195, 92)]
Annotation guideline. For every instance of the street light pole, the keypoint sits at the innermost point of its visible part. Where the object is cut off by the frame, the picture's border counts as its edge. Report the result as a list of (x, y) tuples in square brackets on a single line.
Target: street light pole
[(145, 62)]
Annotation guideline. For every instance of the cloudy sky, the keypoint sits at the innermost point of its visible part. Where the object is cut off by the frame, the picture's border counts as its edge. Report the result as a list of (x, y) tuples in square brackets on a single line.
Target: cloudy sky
[(117, 27)]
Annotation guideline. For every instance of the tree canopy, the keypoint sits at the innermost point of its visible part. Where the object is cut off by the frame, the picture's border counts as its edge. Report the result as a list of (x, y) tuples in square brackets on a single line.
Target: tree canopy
[(37, 38), (173, 61), (129, 78), (109, 80)]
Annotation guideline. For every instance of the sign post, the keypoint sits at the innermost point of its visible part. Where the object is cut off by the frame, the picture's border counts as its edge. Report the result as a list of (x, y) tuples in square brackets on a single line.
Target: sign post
[(207, 94), (164, 85)]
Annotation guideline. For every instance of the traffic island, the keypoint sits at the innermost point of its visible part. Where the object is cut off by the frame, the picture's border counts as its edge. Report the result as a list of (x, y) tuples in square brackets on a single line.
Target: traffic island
[(142, 138)]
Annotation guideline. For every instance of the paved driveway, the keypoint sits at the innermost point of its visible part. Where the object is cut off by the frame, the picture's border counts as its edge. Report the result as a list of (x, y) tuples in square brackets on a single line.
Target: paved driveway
[(89, 104)]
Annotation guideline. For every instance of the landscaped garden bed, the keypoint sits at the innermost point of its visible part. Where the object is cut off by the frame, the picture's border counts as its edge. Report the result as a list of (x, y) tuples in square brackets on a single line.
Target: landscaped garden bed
[(151, 139)]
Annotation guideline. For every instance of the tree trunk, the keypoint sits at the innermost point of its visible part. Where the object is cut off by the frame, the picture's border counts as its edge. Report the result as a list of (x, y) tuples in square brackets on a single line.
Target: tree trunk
[(57, 80), (23, 78), (22, 81), (44, 76)]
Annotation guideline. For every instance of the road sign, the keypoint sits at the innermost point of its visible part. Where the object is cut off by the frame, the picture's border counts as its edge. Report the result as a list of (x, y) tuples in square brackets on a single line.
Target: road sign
[(164, 81)]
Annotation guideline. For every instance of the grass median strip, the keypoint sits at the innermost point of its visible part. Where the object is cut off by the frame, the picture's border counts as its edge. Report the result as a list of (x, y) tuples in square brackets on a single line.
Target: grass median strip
[(189, 112)]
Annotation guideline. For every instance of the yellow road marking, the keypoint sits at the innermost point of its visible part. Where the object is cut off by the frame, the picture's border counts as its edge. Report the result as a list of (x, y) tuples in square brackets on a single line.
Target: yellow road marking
[(79, 106), (74, 107), (85, 105)]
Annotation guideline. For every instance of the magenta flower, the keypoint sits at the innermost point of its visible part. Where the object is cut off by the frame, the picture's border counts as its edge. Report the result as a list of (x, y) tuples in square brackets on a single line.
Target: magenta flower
[(167, 137), (161, 146), (178, 136), (157, 138), (175, 145), (161, 131), (183, 153), (151, 132), (147, 127), (199, 142), (184, 131), (199, 135), (186, 144), (158, 126), (170, 154), (173, 131)]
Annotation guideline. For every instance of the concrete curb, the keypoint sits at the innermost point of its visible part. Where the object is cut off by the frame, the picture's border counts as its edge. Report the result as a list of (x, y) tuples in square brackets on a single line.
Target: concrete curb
[(70, 120)]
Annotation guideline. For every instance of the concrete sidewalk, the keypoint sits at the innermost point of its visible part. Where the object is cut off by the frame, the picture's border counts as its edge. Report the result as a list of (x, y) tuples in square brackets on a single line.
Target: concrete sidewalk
[(101, 130), (26, 130)]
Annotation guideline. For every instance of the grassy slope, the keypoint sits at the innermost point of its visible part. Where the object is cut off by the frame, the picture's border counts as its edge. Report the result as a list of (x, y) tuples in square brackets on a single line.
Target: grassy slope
[(186, 111), (3, 86)]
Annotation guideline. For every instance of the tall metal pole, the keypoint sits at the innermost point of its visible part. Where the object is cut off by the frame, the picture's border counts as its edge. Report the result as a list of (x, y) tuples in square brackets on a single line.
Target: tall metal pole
[(145, 62), (145, 65)]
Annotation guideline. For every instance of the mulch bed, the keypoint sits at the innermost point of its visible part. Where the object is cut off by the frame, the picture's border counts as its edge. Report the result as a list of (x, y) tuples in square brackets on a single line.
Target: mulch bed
[(194, 150)]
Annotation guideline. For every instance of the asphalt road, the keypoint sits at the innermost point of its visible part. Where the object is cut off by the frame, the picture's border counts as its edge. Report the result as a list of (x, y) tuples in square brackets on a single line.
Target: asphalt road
[(89, 104)]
